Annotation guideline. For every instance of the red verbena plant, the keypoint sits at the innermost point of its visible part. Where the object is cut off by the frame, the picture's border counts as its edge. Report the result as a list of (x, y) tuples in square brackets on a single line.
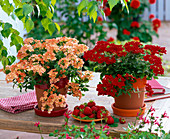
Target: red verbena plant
[(121, 65)]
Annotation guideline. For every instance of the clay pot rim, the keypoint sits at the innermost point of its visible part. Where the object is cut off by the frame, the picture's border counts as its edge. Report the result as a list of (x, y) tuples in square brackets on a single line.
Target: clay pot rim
[(52, 114), (127, 110)]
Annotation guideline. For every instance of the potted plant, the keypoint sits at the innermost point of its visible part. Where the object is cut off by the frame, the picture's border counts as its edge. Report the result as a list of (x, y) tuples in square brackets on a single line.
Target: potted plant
[(49, 66), (124, 71)]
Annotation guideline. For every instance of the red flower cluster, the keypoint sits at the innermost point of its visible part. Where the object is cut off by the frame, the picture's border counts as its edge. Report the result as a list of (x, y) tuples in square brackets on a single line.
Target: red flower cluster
[(111, 39), (136, 38), (98, 54), (151, 16), (152, 1), (133, 47), (126, 32), (156, 24), (135, 4), (149, 90), (135, 24), (111, 85), (107, 11), (153, 49), (156, 64)]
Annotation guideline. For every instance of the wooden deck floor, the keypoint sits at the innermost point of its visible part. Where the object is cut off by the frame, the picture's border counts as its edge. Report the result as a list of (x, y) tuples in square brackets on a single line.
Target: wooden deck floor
[(25, 121)]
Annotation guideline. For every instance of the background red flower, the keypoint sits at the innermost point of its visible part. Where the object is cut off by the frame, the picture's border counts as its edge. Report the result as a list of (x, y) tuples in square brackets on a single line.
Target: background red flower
[(126, 32), (152, 1), (99, 18), (135, 24), (156, 22), (107, 11), (151, 16), (135, 4)]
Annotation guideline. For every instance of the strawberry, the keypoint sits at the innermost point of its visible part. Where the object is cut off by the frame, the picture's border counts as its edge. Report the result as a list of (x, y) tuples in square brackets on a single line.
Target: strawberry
[(91, 103), (102, 108), (76, 112), (122, 120), (101, 114), (109, 120), (94, 109), (82, 130), (82, 115), (92, 116), (81, 106), (87, 111), (76, 107)]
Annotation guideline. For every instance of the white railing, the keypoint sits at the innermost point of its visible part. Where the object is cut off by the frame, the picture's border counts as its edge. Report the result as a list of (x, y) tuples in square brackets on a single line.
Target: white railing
[(161, 10)]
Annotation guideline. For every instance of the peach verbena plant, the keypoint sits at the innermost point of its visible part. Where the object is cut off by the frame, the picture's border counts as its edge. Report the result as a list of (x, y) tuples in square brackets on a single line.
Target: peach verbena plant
[(46, 62), (121, 65)]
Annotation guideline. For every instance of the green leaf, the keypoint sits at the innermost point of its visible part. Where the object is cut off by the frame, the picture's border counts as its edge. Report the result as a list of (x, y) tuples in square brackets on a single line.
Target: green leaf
[(4, 62), (82, 5), (51, 134), (7, 26), (26, 1), (47, 2), (45, 23), (57, 26), (112, 3), (51, 28), (49, 14), (1, 44), (53, 2), (11, 59), (16, 2), (29, 25), (4, 53), (6, 33), (27, 8)]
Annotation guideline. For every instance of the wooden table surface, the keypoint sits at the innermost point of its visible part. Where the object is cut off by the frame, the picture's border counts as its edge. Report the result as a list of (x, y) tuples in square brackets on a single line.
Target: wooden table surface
[(24, 121)]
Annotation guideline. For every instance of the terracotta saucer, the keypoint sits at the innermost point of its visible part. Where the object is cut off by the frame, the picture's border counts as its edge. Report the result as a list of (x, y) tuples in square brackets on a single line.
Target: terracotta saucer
[(89, 121), (52, 114), (127, 112)]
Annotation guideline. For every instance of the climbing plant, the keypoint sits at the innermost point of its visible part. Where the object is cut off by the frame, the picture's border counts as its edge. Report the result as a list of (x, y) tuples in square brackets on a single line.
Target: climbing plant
[(24, 9)]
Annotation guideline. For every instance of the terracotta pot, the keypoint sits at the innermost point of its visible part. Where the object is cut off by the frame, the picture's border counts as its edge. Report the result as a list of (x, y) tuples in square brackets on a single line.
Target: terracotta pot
[(39, 89), (135, 101)]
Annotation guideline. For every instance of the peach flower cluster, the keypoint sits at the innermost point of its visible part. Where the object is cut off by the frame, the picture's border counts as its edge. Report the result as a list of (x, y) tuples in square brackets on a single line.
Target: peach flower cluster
[(48, 61)]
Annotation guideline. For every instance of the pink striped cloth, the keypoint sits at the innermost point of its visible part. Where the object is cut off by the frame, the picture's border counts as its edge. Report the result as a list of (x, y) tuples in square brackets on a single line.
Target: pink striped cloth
[(19, 103)]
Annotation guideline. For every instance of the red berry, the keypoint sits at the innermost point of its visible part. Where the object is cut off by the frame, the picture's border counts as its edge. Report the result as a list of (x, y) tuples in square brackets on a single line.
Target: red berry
[(110, 120), (101, 114), (91, 103), (102, 108), (92, 116), (94, 109), (76, 107), (87, 111), (82, 130), (82, 115), (81, 106), (76, 112), (122, 120)]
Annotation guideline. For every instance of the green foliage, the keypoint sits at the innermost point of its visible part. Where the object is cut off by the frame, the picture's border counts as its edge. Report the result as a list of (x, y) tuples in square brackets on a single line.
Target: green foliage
[(75, 26), (123, 19), (25, 10)]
